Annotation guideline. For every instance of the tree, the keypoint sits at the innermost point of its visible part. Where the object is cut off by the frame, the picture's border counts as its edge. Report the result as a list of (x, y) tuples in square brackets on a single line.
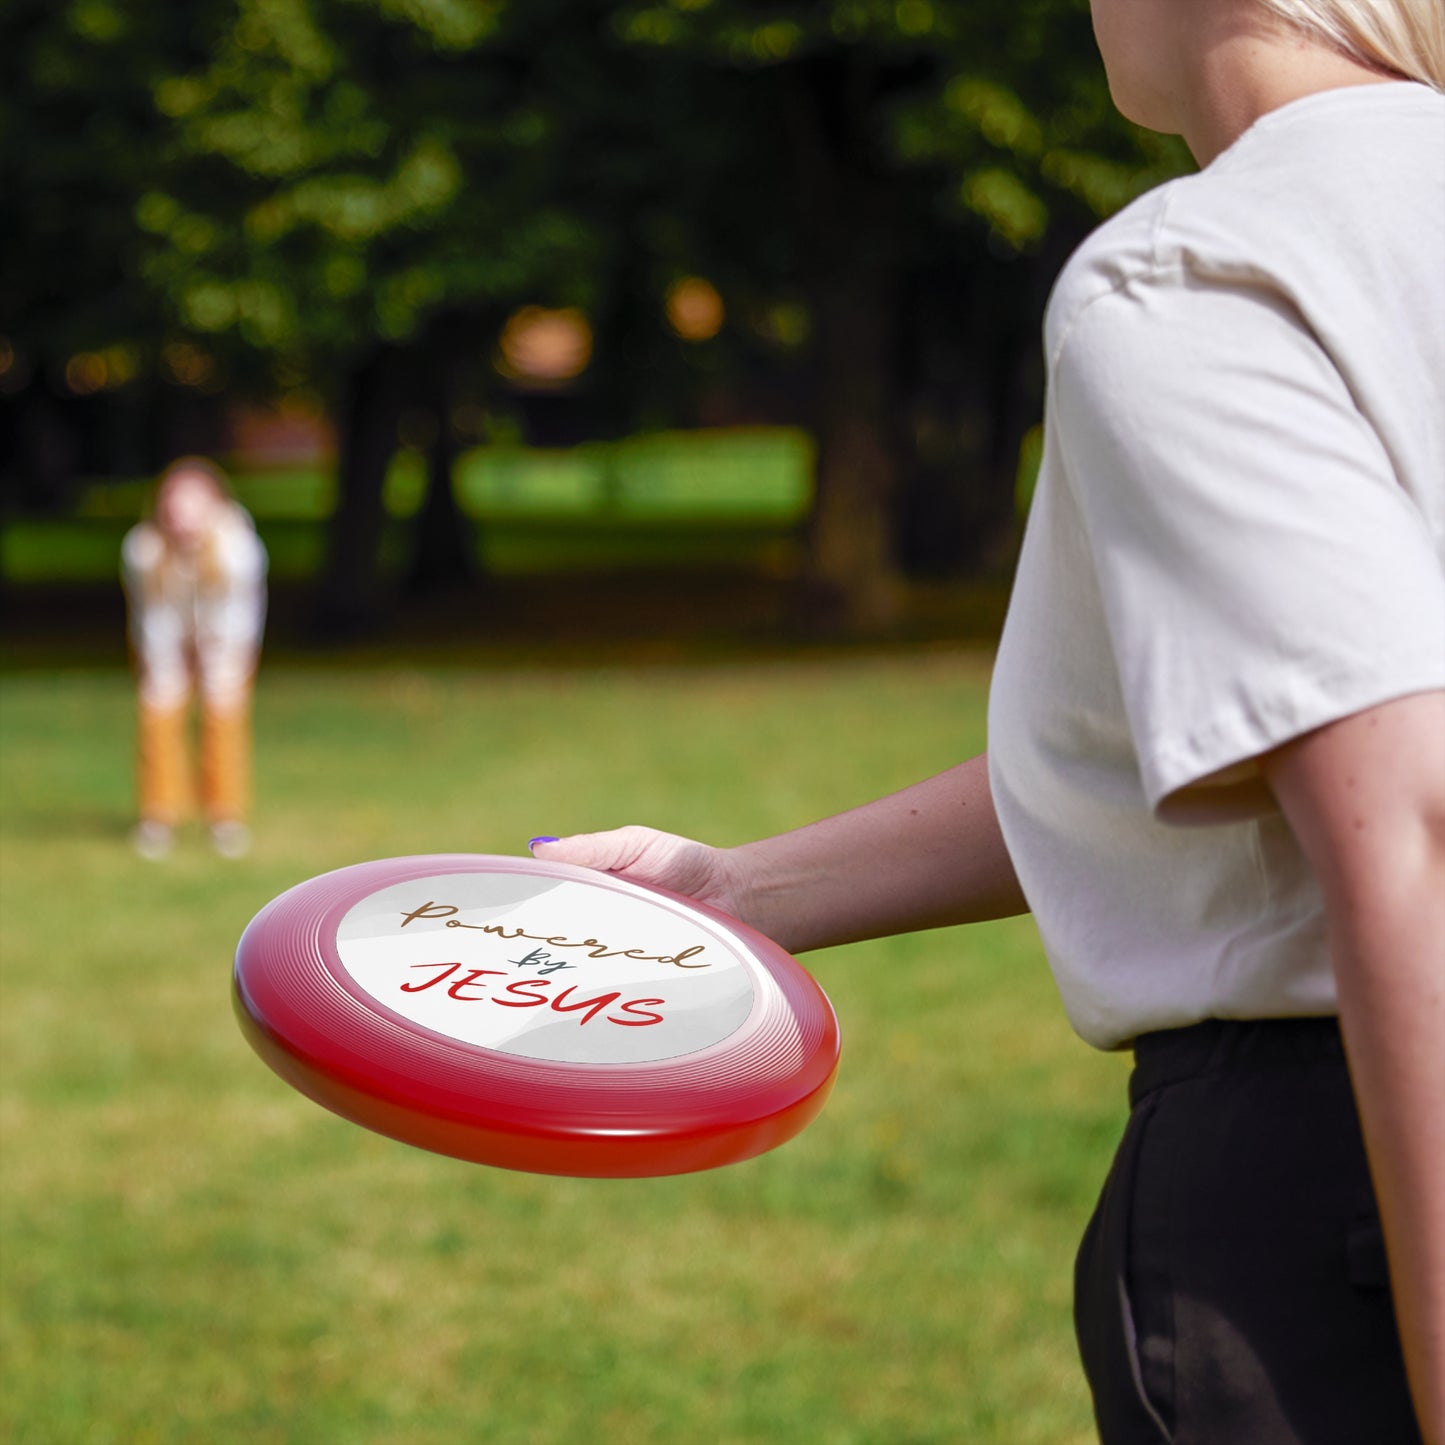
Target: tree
[(360, 181), (920, 140)]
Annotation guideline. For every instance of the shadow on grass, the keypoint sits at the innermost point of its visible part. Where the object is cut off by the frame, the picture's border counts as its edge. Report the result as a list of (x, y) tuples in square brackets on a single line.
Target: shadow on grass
[(564, 621)]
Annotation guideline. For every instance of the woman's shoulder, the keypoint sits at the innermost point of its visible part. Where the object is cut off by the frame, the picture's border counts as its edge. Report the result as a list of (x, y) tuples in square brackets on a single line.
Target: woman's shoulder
[(1338, 192), (1117, 253), (1196, 228)]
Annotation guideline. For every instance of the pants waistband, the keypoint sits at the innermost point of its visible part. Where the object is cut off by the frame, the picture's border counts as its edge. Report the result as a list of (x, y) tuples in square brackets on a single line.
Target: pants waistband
[(1224, 1046)]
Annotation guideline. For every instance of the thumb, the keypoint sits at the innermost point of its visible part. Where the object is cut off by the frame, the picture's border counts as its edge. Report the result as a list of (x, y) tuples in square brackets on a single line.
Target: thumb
[(647, 856), (611, 852)]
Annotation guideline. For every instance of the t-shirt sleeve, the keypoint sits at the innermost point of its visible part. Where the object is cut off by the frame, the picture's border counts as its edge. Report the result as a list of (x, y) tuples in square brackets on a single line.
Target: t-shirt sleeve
[(1262, 568)]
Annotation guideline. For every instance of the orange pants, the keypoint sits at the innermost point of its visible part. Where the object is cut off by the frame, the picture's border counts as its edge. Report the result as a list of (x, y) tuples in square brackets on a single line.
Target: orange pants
[(163, 762)]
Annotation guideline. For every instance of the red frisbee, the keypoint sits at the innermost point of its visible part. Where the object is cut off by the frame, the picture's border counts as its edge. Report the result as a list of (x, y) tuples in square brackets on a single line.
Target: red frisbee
[(535, 1016)]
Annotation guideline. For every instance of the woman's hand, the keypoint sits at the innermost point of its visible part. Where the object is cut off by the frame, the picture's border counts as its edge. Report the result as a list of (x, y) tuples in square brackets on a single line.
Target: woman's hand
[(681, 865)]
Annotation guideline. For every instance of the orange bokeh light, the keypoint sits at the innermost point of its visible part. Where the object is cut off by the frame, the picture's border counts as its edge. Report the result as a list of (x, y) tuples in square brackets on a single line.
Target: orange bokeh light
[(86, 373), (695, 310), (187, 365), (545, 346)]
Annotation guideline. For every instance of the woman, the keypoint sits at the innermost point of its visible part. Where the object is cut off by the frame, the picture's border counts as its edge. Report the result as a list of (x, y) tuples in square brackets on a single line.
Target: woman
[(1217, 759), (195, 583)]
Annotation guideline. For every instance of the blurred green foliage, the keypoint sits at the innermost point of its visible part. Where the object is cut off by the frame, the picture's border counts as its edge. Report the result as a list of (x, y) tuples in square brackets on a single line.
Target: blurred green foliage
[(297, 178)]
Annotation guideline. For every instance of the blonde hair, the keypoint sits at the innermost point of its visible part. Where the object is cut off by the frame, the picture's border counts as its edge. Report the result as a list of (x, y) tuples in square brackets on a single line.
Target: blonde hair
[(1404, 37), (193, 466)]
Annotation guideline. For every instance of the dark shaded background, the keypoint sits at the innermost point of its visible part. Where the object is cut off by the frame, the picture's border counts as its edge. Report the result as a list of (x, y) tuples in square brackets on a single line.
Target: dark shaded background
[(306, 233)]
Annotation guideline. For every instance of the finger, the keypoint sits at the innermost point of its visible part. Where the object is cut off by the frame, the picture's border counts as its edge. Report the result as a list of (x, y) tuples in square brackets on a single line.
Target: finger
[(610, 852)]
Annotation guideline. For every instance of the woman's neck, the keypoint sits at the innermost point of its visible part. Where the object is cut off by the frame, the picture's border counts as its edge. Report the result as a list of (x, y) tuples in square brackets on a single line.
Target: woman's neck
[(1244, 69)]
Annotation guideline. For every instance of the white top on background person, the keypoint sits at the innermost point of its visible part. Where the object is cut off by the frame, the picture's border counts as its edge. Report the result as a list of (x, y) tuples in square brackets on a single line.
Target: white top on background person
[(195, 580), (1238, 536), (1204, 500)]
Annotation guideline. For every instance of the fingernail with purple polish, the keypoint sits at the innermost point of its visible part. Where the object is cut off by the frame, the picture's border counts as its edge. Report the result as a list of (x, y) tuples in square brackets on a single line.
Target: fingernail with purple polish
[(533, 842)]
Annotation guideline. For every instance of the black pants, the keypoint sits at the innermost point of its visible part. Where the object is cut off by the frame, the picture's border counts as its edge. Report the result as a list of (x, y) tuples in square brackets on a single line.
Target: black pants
[(1231, 1288)]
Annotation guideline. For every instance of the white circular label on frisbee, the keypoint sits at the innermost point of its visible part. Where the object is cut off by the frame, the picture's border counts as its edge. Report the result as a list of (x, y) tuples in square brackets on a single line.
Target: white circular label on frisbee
[(547, 968)]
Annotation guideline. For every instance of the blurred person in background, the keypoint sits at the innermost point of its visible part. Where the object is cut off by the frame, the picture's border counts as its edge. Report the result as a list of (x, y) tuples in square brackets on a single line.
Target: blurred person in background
[(1216, 767), (195, 583)]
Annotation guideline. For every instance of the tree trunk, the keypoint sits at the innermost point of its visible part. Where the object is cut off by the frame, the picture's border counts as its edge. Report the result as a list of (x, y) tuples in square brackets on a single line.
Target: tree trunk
[(852, 565), (47, 450), (442, 558), (974, 387), (851, 264), (349, 600)]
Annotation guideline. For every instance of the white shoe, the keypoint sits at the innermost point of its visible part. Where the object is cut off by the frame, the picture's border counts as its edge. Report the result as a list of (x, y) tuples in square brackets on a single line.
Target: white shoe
[(231, 839), (152, 840)]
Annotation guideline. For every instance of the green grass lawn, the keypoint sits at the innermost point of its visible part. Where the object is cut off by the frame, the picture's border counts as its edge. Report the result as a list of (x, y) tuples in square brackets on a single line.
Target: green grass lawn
[(192, 1252)]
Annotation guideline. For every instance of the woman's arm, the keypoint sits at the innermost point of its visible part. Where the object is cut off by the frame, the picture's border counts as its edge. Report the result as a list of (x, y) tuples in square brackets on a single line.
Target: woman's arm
[(926, 857), (1366, 799)]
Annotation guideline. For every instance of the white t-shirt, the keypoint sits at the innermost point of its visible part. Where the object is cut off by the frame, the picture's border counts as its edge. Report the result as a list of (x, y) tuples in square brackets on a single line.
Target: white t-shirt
[(194, 620), (1238, 536)]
